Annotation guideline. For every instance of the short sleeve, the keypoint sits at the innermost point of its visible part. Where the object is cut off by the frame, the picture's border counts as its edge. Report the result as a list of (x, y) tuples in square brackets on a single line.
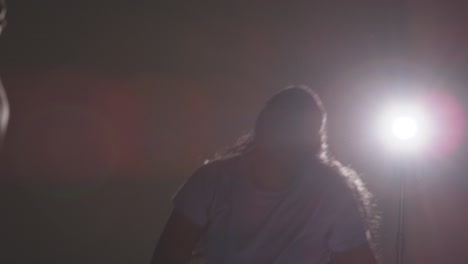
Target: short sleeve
[(349, 229), (194, 197)]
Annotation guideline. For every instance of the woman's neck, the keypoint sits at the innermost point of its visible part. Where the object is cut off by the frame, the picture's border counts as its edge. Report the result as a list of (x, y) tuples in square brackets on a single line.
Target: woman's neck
[(270, 172)]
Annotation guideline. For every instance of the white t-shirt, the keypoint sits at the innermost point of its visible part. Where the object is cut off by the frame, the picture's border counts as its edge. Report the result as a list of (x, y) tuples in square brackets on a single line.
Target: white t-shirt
[(314, 217)]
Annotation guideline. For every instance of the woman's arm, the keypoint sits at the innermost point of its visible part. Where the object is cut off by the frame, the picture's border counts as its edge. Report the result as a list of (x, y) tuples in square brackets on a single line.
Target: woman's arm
[(177, 241)]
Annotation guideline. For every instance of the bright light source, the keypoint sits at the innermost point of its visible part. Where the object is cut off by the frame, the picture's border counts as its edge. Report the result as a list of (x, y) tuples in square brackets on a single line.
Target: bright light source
[(405, 128)]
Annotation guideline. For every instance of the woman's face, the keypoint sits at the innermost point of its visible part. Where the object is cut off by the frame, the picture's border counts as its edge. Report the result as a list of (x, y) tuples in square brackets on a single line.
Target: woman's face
[(294, 134)]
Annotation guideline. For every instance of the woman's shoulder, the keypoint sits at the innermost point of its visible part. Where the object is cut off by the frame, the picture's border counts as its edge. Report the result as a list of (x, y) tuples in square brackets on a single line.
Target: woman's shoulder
[(339, 181), (216, 170)]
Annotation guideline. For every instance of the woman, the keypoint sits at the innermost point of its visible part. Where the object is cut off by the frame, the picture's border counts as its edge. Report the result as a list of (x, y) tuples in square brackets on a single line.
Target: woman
[(276, 197)]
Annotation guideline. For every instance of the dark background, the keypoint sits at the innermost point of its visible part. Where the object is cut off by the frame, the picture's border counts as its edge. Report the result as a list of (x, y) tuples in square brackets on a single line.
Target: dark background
[(115, 103)]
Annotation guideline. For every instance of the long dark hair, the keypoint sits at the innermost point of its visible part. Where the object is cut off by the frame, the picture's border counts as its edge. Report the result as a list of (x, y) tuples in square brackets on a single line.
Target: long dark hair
[(302, 95)]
